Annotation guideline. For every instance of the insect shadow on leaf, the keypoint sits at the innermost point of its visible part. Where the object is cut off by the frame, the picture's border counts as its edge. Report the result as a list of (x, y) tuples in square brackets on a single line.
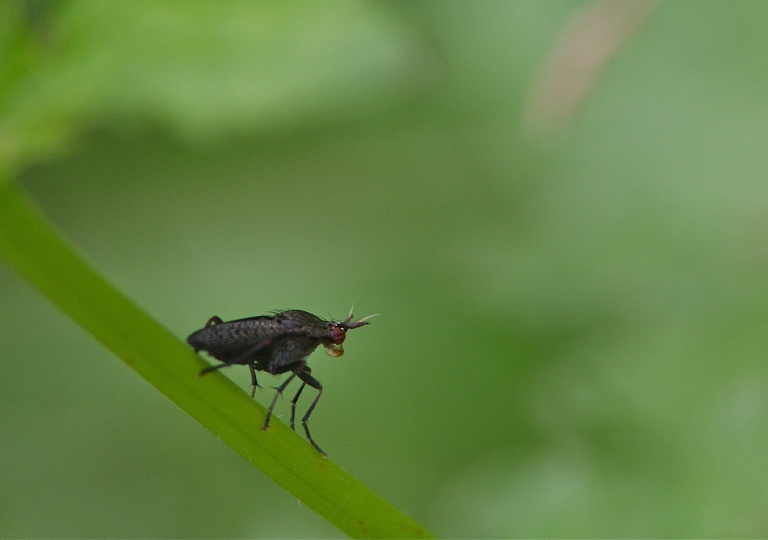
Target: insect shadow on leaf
[(277, 343)]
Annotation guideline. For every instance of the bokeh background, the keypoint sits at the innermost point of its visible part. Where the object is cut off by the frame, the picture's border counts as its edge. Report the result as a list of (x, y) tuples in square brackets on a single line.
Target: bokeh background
[(560, 209)]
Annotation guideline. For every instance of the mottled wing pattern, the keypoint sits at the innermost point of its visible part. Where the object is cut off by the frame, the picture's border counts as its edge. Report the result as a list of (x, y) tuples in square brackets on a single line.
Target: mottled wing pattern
[(229, 340), (254, 338)]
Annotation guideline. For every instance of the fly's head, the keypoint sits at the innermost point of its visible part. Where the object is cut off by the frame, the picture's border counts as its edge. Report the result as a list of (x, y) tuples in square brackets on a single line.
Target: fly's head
[(337, 333)]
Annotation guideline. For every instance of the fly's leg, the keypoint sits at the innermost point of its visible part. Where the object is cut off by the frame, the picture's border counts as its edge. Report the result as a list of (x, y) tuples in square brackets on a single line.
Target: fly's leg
[(293, 404), (211, 368), (305, 376), (254, 382), (274, 401), (246, 357), (213, 320), (241, 359)]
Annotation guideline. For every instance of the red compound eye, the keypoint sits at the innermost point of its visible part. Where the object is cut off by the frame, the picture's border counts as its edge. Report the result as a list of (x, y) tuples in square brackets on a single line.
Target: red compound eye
[(338, 335)]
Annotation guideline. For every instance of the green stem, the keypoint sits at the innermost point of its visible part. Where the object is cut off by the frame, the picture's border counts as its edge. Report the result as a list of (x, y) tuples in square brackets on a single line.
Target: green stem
[(37, 252)]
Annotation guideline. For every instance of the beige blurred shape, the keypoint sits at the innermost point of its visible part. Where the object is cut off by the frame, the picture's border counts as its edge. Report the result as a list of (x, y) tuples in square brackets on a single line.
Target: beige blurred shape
[(589, 40)]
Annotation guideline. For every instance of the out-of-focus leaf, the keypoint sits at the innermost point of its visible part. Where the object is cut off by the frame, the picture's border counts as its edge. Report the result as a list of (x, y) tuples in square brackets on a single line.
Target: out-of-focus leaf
[(205, 69)]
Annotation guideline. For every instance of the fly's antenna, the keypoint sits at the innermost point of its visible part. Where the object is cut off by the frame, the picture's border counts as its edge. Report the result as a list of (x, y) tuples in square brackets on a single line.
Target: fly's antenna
[(357, 324)]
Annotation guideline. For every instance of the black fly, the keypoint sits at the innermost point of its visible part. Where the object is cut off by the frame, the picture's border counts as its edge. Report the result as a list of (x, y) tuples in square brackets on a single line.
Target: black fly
[(276, 344)]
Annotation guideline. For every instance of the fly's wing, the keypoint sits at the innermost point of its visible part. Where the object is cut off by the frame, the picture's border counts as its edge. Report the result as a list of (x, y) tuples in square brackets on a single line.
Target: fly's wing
[(229, 341), (290, 351)]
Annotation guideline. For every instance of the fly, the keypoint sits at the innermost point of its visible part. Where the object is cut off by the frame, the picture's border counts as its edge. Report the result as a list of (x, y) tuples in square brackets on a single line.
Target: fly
[(277, 343)]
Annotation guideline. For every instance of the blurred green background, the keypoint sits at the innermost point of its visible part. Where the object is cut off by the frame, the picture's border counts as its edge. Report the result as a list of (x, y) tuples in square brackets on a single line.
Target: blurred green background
[(573, 331)]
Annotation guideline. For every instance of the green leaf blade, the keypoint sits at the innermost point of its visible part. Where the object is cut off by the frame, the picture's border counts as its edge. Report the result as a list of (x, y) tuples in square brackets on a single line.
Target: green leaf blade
[(39, 254)]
